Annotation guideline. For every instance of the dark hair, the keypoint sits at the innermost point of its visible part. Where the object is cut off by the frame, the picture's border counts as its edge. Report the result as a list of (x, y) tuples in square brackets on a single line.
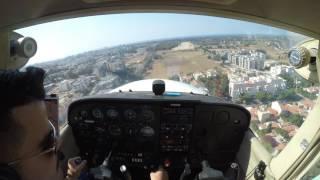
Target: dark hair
[(17, 88)]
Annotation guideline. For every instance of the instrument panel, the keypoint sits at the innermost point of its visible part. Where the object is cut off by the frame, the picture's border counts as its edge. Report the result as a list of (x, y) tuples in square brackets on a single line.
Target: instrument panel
[(144, 131)]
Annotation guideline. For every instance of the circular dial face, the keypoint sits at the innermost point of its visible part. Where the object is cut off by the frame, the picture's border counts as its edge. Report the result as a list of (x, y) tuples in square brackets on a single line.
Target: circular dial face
[(84, 113), (29, 47), (295, 57), (147, 115), (97, 113), (112, 113), (130, 115)]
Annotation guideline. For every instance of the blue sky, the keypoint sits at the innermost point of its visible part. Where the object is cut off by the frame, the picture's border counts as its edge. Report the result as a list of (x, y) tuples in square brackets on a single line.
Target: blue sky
[(72, 36)]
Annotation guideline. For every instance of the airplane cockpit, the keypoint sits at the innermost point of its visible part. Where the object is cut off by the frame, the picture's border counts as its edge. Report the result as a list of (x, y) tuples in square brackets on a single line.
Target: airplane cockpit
[(256, 123), (141, 131)]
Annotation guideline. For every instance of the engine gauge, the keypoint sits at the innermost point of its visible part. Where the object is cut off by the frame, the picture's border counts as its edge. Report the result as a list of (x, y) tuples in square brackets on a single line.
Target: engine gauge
[(97, 113)]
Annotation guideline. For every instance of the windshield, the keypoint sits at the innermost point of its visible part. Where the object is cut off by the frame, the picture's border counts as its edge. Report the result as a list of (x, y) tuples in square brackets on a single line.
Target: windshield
[(242, 62)]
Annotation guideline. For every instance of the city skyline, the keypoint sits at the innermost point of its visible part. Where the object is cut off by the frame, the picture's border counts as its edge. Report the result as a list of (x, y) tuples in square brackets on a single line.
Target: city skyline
[(63, 38)]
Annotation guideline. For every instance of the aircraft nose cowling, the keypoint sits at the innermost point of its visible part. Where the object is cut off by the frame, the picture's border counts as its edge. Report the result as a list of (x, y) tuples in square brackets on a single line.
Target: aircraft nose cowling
[(171, 86)]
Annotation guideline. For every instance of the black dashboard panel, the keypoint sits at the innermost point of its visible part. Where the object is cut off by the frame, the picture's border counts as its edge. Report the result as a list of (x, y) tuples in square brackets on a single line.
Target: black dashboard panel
[(143, 130)]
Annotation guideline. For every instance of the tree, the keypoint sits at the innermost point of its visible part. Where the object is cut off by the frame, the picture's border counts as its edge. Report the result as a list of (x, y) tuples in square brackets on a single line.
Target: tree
[(148, 62), (217, 85), (224, 57), (306, 94), (175, 77), (286, 95), (217, 57), (295, 119), (245, 98), (290, 81), (166, 45), (225, 85), (264, 96), (269, 128)]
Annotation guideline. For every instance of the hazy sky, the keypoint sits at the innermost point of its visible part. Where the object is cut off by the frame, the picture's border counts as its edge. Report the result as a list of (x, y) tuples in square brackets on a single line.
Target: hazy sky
[(67, 37)]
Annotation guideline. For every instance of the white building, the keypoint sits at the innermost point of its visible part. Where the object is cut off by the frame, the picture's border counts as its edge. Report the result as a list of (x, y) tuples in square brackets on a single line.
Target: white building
[(248, 60), (252, 85), (210, 73), (270, 63), (276, 106), (312, 89), (198, 75), (282, 70), (263, 116)]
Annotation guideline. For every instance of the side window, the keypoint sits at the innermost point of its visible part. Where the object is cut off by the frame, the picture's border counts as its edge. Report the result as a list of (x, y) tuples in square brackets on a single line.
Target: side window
[(280, 106), (55, 85)]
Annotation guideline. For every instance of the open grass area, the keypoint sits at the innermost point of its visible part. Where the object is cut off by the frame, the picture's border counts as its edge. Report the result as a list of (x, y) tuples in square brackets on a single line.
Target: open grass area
[(176, 62)]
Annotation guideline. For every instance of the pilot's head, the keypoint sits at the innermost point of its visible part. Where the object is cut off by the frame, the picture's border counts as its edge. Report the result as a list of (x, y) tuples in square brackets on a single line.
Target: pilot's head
[(27, 138)]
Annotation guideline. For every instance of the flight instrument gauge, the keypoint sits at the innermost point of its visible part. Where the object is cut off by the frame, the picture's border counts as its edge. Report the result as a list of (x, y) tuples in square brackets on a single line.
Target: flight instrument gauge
[(112, 114), (97, 113), (147, 115), (299, 57)]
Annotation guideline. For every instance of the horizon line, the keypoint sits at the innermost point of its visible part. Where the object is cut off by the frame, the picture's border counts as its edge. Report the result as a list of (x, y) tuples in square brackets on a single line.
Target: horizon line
[(154, 41)]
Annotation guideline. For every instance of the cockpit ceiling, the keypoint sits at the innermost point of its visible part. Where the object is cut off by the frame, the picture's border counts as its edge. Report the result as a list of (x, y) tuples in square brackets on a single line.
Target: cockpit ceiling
[(295, 15)]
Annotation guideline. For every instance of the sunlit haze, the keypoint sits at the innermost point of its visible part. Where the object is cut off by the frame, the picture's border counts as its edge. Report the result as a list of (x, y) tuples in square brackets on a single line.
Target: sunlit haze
[(68, 37)]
